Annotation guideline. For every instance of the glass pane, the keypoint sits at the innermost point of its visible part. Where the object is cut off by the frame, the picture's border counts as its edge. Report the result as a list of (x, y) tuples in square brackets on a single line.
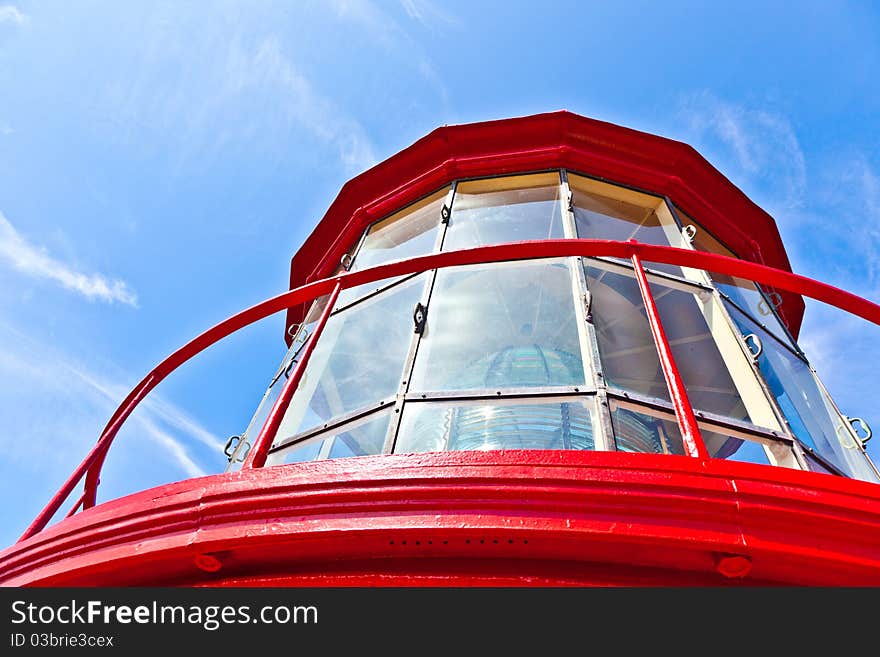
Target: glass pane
[(645, 432), (810, 416), (276, 384), (742, 292), (607, 213), (730, 448), (746, 295), (629, 356), (501, 210), (358, 360), (499, 326), (409, 233), (307, 450), (434, 427), (363, 438), (816, 466), (655, 432)]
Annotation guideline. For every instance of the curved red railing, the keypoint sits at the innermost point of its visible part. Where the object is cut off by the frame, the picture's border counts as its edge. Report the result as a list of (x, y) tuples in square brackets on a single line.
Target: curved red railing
[(90, 467)]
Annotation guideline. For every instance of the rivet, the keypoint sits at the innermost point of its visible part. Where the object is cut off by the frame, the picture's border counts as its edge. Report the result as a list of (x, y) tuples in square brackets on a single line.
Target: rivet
[(733, 565), (207, 562)]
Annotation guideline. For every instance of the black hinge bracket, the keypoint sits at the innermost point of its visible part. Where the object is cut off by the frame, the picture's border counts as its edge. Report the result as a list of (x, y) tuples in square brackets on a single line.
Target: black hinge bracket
[(420, 316)]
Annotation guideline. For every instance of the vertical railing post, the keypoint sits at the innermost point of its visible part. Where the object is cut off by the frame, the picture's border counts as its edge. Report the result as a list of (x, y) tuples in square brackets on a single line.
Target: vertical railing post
[(684, 412), (256, 458)]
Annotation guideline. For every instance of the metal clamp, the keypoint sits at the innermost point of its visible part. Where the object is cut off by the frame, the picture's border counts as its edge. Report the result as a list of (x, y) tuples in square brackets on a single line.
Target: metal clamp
[(689, 232), (753, 340), (865, 427), (346, 261), (570, 201), (445, 213), (232, 446), (420, 316), (775, 299)]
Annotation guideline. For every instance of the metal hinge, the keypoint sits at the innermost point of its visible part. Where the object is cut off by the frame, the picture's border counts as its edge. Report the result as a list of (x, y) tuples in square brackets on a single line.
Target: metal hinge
[(420, 316), (232, 445), (588, 306)]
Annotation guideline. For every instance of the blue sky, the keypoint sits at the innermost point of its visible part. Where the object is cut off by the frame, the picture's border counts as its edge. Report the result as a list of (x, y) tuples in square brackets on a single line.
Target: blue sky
[(161, 161)]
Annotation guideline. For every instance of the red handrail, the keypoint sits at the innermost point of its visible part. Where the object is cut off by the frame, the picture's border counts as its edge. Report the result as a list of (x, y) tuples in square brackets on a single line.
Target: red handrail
[(256, 458), (684, 412), (91, 465)]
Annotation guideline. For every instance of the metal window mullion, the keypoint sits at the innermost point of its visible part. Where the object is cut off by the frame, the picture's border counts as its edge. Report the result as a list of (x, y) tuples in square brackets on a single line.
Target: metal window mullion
[(406, 375), (605, 434), (772, 309), (357, 249), (797, 353), (669, 280), (333, 425), (257, 456), (409, 364), (684, 412), (844, 419), (715, 422), (486, 394), (379, 290), (756, 370), (569, 227)]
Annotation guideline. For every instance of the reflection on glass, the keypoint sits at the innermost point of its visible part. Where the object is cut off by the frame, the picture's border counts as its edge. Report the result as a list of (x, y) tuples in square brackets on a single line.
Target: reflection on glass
[(300, 338), (435, 427), (405, 234), (730, 448), (809, 414), (307, 450), (629, 356), (742, 292), (645, 432), (500, 326), (360, 439), (358, 359), (501, 210), (603, 212), (363, 437), (816, 466)]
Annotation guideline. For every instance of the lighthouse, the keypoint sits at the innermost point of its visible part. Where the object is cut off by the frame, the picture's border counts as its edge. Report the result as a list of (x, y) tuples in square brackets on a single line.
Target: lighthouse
[(545, 350)]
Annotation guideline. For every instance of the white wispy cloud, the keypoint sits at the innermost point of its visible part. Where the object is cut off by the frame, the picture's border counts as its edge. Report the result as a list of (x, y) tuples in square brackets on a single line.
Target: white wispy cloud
[(428, 13), (755, 143), (268, 67), (390, 35), (12, 14), (31, 260), (79, 402)]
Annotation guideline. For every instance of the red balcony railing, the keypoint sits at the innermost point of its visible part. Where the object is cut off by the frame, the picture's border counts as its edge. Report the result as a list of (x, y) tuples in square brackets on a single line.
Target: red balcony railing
[(90, 467)]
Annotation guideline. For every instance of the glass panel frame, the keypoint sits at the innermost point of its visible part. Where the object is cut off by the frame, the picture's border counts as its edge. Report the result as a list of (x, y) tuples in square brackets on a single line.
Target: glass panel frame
[(698, 282), (747, 295), (497, 413), (811, 416), (347, 327), (448, 326), (496, 203), (718, 434), (718, 338), (366, 255), (326, 440)]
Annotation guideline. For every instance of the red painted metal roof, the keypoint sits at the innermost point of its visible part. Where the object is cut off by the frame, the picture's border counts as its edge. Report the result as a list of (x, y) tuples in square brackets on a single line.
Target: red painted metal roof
[(545, 141)]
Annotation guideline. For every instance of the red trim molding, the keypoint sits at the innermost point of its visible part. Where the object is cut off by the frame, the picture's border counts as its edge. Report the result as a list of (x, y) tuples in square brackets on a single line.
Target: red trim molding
[(545, 141), (517, 517)]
